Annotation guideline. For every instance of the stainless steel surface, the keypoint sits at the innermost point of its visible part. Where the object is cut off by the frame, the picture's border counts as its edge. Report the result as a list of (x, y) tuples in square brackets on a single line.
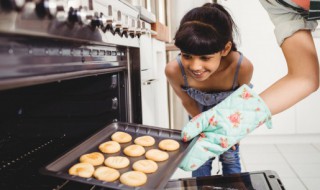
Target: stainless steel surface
[(97, 21), (32, 60)]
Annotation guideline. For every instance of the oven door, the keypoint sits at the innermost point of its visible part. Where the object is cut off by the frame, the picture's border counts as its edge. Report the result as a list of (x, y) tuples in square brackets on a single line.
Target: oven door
[(259, 180)]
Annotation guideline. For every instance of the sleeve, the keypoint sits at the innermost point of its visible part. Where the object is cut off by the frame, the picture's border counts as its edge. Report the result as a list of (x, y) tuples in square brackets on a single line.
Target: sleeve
[(286, 20)]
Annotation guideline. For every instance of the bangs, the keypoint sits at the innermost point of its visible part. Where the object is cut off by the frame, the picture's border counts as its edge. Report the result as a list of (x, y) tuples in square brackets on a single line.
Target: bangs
[(198, 39)]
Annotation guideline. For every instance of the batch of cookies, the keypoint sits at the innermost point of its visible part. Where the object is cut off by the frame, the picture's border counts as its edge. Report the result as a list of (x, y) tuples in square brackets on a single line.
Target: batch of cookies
[(107, 168)]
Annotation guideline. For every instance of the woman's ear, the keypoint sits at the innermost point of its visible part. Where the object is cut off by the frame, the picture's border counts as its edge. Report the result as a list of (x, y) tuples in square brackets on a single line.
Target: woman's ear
[(226, 49)]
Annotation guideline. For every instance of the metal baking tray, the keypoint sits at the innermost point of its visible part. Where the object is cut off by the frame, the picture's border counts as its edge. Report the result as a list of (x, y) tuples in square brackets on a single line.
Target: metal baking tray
[(158, 180)]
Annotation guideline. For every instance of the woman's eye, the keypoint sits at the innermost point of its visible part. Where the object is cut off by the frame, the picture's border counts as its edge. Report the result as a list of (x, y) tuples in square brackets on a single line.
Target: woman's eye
[(204, 58), (186, 56)]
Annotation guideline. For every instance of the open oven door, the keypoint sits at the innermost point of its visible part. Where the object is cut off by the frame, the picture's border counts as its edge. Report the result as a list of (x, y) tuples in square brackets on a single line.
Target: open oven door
[(259, 180)]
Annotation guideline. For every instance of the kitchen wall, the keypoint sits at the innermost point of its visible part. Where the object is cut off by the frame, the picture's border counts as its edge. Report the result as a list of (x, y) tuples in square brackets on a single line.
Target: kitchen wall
[(257, 42)]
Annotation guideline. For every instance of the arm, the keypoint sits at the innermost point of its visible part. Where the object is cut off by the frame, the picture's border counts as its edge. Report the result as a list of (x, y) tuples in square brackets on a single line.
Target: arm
[(174, 78), (303, 73)]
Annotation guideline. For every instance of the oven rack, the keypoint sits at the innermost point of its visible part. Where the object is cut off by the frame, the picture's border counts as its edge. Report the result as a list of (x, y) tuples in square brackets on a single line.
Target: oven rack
[(23, 162)]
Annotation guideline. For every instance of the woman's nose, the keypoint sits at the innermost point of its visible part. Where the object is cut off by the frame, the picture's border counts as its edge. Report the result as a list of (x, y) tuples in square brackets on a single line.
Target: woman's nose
[(196, 65)]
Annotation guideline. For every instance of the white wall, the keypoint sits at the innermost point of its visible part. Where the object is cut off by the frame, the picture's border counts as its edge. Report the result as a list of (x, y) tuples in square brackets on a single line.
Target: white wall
[(259, 45)]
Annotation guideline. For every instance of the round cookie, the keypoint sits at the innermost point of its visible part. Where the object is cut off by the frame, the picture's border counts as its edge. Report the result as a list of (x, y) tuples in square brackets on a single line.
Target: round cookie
[(94, 158), (145, 140), (145, 166), (134, 150), (117, 162), (106, 174), (133, 178), (121, 137), (110, 147), (157, 155), (169, 145), (82, 169)]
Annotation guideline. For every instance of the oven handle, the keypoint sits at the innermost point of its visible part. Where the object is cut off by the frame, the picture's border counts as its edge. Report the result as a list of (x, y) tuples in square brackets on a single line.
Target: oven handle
[(148, 82)]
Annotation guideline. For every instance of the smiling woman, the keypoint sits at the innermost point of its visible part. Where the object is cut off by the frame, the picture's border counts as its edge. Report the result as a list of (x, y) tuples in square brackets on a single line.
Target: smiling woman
[(209, 67)]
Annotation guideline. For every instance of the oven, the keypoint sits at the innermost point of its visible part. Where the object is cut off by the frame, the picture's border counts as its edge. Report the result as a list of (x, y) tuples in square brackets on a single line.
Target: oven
[(67, 68)]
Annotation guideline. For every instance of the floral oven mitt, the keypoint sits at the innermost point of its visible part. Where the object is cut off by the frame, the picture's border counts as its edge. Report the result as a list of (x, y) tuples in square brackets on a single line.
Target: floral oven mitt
[(223, 126)]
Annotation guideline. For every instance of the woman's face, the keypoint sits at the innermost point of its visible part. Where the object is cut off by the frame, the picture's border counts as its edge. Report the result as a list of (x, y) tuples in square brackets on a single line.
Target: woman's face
[(200, 67)]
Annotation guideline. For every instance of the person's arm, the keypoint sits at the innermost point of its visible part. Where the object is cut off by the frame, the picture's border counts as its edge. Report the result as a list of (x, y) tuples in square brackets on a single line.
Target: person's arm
[(172, 72), (303, 73)]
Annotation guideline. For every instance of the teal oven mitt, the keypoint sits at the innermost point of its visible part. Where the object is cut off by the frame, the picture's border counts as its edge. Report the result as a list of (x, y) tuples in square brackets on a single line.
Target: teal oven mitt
[(223, 126)]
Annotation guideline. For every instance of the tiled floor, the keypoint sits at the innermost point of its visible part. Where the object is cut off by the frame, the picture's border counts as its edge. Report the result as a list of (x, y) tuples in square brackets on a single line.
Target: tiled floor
[(298, 165)]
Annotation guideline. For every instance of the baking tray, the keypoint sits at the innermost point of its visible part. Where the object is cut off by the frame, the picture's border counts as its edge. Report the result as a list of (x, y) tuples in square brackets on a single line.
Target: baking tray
[(158, 180)]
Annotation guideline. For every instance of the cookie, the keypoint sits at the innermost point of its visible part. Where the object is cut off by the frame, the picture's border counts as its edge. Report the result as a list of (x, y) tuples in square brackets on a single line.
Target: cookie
[(133, 178), (94, 158), (82, 169), (134, 150), (145, 166), (169, 145), (117, 162), (106, 174), (157, 155), (145, 140), (110, 147), (121, 137)]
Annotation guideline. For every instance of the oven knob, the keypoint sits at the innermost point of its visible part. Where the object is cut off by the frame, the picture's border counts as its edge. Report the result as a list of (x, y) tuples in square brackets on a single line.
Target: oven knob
[(125, 27), (131, 28), (76, 15), (62, 11), (138, 29), (46, 7), (125, 32), (72, 15), (103, 21), (143, 27), (118, 24), (109, 19), (97, 20), (89, 17), (12, 4)]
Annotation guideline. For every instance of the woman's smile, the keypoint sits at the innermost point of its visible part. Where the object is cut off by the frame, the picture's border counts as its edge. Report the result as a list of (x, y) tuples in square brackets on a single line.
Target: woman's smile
[(198, 74)]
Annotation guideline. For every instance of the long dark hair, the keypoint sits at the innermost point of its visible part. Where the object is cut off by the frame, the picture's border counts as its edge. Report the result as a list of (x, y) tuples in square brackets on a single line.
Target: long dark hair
[(206, 30)]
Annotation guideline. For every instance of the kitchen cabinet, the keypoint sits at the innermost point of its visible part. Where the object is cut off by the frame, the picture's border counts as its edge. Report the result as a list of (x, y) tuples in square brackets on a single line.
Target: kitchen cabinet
[(154, 93)]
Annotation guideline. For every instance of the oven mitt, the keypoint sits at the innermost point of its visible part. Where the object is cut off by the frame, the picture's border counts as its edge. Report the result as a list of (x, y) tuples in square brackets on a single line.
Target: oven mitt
[(223, 126)]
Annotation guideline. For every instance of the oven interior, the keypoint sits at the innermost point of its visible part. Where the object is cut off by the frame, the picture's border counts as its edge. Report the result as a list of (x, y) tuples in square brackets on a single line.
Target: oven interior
[(40, 122)]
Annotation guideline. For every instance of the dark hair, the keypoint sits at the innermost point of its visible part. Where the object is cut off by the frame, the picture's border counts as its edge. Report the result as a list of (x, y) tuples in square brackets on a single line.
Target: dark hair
[(205, 30)]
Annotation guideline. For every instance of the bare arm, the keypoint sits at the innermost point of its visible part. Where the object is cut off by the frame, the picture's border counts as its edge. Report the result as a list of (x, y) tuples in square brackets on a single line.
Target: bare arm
[(303, 73)]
